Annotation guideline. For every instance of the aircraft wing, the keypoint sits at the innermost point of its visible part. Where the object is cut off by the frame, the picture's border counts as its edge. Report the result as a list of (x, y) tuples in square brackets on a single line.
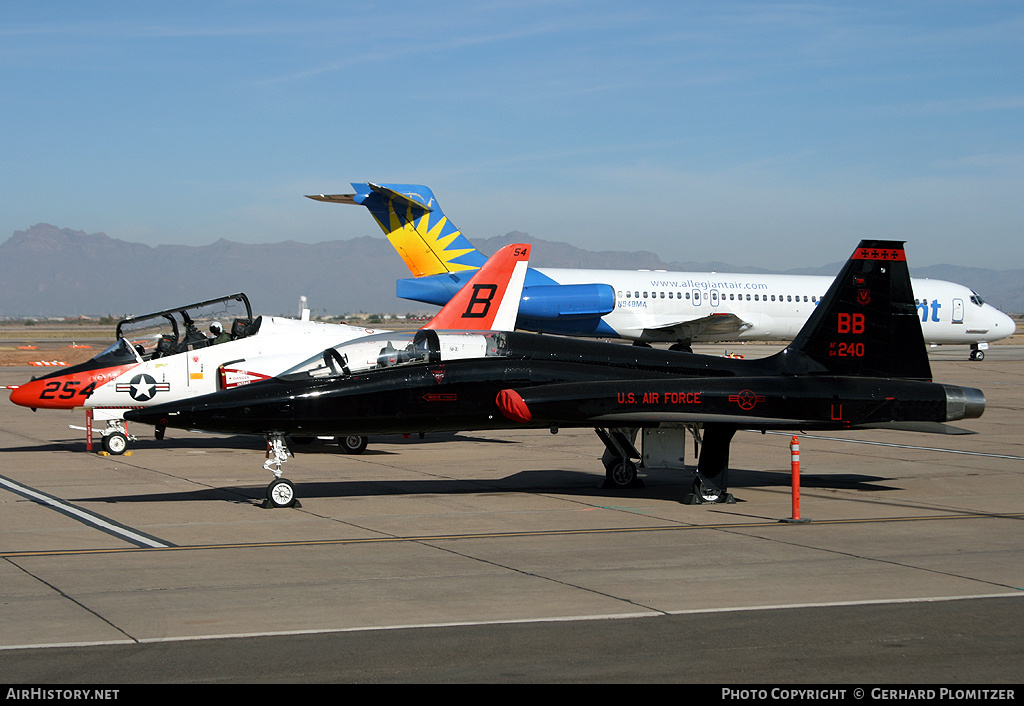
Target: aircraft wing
[(639, 419), (582, 403), (717, 325)]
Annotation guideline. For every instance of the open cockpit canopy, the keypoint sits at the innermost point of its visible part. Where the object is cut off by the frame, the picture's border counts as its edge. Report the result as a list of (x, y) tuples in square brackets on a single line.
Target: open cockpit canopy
[(184, 328), (384, 350)]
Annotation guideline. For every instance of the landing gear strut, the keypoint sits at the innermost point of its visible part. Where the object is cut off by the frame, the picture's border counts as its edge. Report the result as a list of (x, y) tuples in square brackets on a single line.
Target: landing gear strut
[(713, 466), (620, 470), (977, 353), (280, 492)]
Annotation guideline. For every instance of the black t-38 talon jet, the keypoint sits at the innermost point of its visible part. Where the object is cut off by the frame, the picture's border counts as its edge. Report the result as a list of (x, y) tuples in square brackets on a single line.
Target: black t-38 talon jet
[(859, 362)]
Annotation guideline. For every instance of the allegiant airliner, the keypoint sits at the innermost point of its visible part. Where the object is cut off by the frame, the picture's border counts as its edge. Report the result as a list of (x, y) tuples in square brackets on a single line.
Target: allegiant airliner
[(679, 308)]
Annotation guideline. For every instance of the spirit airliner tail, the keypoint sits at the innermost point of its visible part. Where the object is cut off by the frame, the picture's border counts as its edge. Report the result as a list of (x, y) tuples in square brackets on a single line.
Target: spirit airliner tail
[(679, 308)]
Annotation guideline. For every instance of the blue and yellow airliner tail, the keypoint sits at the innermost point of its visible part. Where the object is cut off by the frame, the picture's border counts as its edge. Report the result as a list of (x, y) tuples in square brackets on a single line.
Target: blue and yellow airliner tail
[(442, 261), (410, 217)]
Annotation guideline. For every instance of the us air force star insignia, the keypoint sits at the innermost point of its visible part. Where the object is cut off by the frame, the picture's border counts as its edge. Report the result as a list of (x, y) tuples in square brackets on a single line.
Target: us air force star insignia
[(747, 399), (143, 387)]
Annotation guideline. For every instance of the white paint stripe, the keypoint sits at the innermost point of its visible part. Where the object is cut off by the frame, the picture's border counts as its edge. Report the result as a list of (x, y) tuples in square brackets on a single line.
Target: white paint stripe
[(896, 446), (839, 604), (87, 517), (524, 621)]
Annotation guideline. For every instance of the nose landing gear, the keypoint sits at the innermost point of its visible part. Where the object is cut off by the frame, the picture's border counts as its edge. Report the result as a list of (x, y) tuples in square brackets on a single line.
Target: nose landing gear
[(281, 491)]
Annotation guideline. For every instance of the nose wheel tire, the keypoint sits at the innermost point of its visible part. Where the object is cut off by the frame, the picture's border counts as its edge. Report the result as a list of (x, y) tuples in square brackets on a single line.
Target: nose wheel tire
[(281, 493), (115, 443)]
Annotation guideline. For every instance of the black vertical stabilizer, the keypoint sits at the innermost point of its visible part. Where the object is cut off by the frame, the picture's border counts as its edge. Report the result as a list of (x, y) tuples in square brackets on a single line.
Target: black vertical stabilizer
[(866, 324)]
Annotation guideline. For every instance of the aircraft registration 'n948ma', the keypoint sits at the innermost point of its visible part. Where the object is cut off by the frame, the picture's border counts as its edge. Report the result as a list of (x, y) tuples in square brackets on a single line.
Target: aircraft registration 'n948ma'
[(859, 362), (680, 308)]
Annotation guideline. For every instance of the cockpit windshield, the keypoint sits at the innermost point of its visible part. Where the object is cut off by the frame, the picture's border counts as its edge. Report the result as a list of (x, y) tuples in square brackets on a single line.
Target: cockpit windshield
[(389, 349), (121, 352), (976, 299), (186, 328)]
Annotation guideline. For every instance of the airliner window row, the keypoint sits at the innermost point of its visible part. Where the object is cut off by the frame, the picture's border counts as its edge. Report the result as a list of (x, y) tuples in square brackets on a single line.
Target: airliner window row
[(730, 297)]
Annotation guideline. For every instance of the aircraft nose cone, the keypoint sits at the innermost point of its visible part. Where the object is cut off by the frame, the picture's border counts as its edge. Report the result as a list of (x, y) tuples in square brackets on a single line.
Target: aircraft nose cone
[(54, 392), (1001, 323), (36, 395), (20, 396)]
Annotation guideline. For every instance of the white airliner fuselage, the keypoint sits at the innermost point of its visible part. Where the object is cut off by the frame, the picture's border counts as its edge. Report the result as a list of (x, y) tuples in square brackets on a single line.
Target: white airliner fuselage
[(654, 305), (644, 306)]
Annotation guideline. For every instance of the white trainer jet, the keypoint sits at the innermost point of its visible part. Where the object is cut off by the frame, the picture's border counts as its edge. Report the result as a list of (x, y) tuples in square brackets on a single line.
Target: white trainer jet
[(165, 356)]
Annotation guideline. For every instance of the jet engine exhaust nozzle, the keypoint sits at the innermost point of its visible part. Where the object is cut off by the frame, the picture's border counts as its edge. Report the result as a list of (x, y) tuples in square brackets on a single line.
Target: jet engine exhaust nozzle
[(963, 402)]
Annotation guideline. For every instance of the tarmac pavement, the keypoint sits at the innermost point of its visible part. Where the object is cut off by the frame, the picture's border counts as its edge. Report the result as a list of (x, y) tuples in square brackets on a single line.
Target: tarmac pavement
[(497, 557)]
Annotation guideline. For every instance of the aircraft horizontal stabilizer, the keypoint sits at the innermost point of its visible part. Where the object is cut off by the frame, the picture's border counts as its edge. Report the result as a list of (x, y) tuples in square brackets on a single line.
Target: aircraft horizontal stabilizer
[(396, 198), (922, 428), (334, 198)]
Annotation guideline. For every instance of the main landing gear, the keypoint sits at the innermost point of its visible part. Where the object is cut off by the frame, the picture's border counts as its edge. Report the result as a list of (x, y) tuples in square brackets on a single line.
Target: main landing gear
[(711, 481), (709, 486), (619, 467), (352, 444)]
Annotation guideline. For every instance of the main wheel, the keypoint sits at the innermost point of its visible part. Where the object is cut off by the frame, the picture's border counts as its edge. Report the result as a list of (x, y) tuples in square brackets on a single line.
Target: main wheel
[(115, 443), (621, 474), (353, 444), (281, 493), (706, 493)]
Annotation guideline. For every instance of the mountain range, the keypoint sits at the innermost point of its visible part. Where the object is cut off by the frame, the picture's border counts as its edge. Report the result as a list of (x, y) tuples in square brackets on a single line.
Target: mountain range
[(48, 271)]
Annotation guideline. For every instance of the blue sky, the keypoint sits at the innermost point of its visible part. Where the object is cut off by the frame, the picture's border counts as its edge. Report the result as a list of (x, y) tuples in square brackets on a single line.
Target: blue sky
[(760, 133)]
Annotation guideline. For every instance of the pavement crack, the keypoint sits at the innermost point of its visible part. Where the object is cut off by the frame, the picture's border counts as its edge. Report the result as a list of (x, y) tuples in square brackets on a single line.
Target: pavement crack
[(549, 579), (69, 598)]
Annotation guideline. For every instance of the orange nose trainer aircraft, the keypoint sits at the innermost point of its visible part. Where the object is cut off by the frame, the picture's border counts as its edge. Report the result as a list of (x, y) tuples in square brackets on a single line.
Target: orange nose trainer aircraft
[(164, 357)]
